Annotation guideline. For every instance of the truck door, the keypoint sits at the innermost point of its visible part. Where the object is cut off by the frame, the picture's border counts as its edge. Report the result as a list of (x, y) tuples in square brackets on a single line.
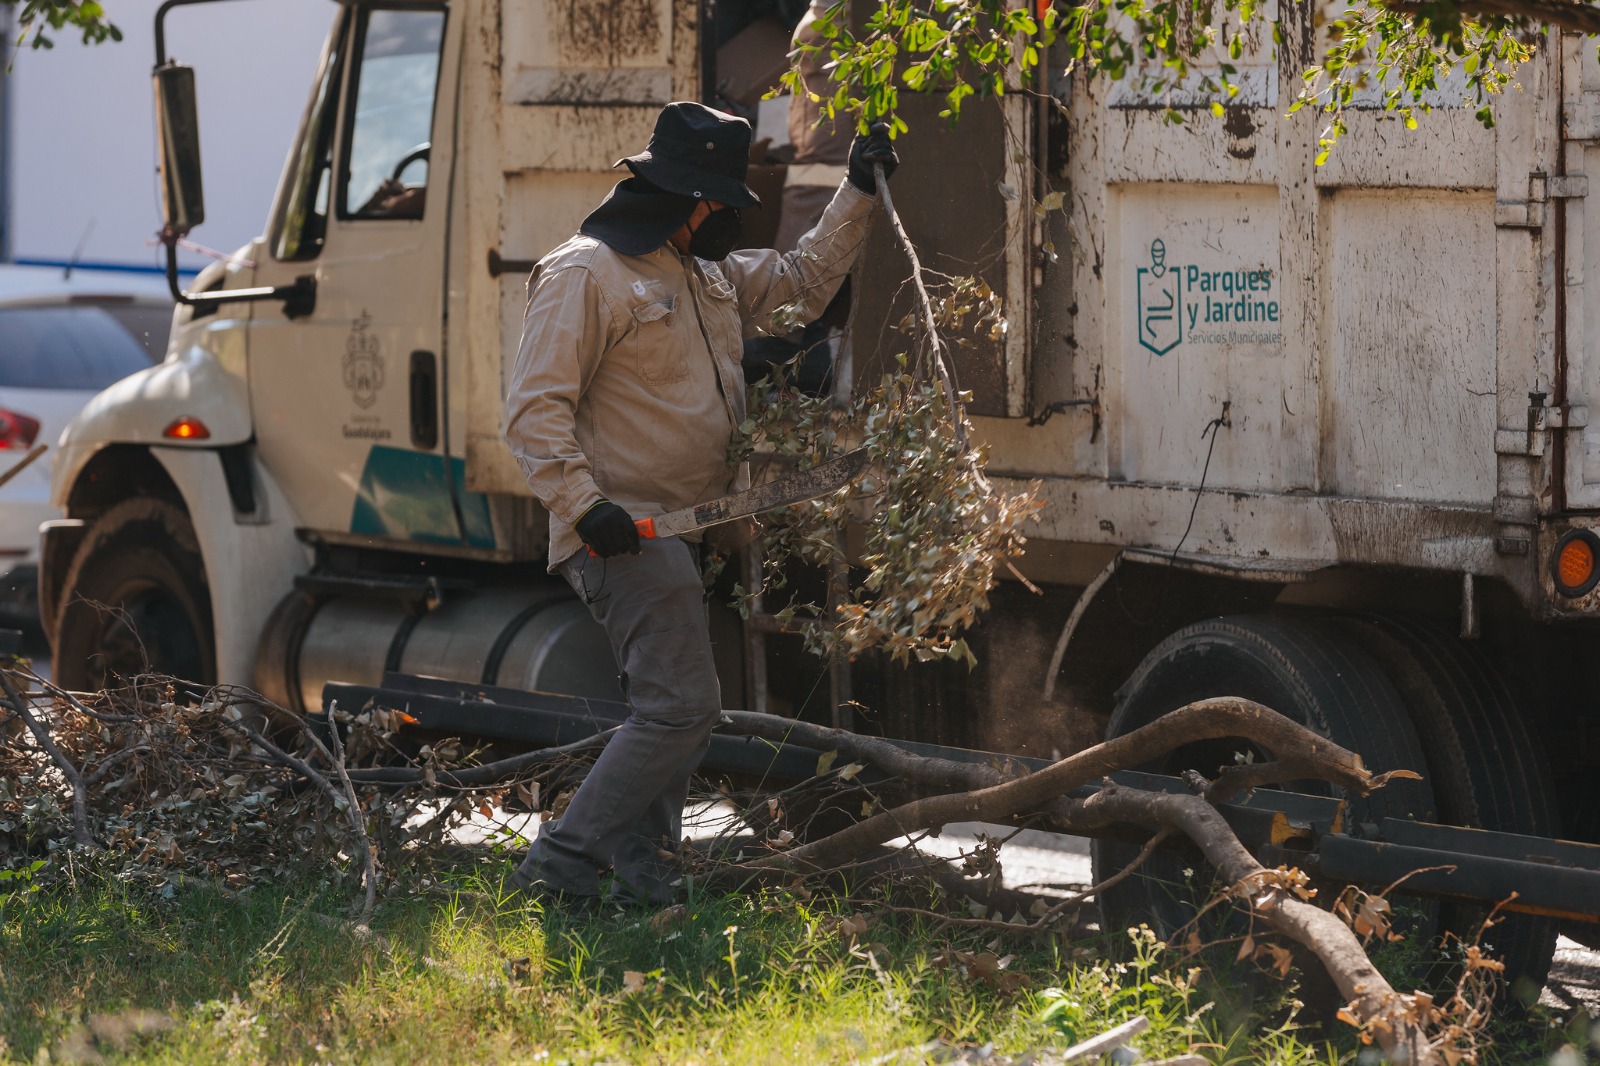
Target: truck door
[(1193, 277), (347, 400), (1578, 219)]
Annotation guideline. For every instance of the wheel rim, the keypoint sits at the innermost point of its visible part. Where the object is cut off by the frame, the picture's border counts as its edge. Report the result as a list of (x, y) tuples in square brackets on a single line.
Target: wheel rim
[(152, 631)]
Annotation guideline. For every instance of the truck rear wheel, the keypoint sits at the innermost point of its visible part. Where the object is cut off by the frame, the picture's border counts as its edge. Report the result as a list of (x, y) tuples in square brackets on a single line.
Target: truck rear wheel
[(135, 600), (1486, 771), (1298, 666)]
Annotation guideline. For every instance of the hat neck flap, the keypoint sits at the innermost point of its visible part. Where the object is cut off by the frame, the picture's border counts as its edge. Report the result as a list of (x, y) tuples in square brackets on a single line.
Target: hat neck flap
[(638, 217)]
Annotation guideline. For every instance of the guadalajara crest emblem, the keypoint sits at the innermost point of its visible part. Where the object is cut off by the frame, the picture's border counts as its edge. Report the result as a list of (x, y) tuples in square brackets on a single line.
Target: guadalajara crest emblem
[(363, 366)]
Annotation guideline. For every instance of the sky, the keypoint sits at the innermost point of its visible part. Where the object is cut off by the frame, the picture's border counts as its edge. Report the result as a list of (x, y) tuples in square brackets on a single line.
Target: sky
[(80, 145)]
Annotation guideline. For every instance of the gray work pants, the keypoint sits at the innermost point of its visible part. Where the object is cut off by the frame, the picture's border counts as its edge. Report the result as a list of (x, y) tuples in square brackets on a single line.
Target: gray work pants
[(653, 608)]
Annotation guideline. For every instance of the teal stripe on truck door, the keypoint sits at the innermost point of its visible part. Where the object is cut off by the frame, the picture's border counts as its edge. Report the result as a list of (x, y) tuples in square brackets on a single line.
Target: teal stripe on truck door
[(405, 495)]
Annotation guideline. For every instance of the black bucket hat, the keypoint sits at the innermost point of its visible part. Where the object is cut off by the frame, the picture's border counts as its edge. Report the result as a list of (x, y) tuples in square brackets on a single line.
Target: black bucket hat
[(697, 151)]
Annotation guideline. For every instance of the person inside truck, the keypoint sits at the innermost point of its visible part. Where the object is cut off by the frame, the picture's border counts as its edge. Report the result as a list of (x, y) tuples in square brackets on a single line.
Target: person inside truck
[(821, 145), (626, 392)]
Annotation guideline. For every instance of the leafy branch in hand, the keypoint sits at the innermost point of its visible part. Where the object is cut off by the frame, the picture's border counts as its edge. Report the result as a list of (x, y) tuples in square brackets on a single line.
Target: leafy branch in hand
[(935, 529)]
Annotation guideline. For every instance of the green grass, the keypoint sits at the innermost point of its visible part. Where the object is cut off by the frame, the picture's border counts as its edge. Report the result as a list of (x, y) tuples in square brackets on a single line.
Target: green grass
[(472, 974)]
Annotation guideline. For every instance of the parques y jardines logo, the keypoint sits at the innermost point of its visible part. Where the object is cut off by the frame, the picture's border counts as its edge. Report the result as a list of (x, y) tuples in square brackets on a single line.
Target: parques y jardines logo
[(1203, 304)]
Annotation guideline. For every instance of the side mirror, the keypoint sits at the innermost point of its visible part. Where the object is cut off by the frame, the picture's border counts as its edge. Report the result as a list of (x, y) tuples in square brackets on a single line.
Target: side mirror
[(178, 130)]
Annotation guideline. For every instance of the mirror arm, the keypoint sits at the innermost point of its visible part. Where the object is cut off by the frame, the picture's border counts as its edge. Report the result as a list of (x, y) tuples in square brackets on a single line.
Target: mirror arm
[(161, 25), (299, 299)]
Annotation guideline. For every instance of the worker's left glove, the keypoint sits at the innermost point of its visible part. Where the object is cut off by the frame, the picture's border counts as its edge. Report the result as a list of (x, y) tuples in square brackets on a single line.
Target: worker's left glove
[(873, 147)]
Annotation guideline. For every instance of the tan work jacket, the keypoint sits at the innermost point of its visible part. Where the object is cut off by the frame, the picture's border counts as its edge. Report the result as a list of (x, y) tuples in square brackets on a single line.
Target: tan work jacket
[(627, 384)]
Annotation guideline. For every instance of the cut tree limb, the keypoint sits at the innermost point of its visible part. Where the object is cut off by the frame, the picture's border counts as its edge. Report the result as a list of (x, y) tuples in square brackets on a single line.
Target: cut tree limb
[(1388, 1013), (479, 776), (358, 822), (1298, 751), (41, 736), (1298, 754), (941, 365), (996, 792), (853, 747), (1098, 1047)]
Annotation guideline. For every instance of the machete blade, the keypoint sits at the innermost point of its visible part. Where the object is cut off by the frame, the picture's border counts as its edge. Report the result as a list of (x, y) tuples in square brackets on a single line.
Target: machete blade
[(781, 492)]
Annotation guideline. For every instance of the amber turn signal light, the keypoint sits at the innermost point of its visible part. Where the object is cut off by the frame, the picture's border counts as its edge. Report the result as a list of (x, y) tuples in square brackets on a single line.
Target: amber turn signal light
[(1576, 563), (186, 428)]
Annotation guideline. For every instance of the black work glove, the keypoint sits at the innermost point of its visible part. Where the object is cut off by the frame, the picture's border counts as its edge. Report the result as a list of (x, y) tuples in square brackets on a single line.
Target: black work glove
[(874, 147), (609, 530)]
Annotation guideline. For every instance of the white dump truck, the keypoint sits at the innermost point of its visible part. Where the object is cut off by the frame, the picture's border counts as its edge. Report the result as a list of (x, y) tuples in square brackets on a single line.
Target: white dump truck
[(1319, 436)]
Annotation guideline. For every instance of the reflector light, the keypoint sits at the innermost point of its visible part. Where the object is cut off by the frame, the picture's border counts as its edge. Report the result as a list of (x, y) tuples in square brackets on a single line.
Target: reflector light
[(186, 428), (1576, 564), (17, 430)]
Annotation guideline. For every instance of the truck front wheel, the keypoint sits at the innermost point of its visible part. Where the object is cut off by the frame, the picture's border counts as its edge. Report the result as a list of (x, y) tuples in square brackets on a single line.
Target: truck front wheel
[(135, 601)]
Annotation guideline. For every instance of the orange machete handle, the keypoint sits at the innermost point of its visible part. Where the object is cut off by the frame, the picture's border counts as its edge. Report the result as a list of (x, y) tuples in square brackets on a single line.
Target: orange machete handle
[(647, 530)]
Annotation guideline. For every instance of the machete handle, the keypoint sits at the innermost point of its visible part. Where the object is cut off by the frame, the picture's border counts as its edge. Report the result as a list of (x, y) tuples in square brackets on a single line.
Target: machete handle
[(646, 528)]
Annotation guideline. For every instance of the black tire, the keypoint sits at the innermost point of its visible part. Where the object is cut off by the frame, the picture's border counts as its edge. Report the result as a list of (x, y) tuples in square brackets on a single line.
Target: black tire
[(1298, 666), (141, 560), (1486, 770)]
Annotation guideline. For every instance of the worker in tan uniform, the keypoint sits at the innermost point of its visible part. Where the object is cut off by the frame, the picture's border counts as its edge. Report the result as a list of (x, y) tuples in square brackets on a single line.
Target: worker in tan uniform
[(626, 393)]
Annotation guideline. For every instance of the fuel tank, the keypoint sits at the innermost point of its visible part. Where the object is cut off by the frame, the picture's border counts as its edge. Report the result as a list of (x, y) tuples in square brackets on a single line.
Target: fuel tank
[(536, 637)]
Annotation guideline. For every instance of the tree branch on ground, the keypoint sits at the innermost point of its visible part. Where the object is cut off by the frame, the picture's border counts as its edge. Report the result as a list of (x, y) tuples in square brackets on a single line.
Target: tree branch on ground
[(185, 787)]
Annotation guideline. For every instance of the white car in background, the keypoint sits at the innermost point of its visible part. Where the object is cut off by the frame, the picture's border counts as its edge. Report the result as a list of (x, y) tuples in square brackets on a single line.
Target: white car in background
[(64, 336)]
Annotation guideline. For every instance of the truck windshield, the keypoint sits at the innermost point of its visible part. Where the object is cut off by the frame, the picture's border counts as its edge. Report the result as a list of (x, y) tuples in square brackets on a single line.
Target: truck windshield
[(386, 171)]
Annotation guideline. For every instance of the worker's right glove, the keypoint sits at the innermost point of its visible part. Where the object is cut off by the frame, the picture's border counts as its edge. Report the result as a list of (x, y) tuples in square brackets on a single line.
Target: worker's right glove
[(609, 530), (874, 147)]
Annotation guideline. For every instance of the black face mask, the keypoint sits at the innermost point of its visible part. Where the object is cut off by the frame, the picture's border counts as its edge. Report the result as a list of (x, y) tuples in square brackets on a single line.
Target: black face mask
[(717, 235)]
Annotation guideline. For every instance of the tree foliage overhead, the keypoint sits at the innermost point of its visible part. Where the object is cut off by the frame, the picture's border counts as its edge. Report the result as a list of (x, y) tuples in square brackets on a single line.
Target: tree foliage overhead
[(38, 19), (1406, 55)]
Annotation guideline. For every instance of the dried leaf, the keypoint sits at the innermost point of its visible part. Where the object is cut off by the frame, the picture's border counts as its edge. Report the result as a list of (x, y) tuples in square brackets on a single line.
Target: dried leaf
[(982, 965), (666, 919), (1282, 958), (1010, 983)]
